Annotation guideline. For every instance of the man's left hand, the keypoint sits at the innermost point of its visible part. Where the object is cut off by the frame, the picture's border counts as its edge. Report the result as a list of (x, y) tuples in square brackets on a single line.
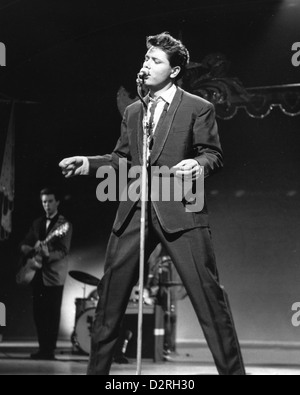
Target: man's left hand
[(189, 168), (43, 249)]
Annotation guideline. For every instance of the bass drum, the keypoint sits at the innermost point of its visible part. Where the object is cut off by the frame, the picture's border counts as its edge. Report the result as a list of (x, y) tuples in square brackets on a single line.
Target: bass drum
[(82, 305), (83, 329)]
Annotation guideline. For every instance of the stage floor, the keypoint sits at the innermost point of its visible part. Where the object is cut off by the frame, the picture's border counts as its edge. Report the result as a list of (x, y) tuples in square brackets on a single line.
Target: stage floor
[(189, 360)]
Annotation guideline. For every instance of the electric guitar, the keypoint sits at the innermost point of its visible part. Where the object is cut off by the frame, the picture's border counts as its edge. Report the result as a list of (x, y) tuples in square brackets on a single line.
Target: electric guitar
[(32, 261)]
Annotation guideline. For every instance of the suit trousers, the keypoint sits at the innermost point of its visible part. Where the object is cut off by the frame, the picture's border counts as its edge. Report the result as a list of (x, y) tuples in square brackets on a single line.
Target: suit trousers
[(193, 256), (47, 303)]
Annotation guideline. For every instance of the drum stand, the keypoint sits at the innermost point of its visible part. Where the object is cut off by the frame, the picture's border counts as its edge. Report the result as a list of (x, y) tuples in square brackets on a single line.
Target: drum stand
[(168, 302)]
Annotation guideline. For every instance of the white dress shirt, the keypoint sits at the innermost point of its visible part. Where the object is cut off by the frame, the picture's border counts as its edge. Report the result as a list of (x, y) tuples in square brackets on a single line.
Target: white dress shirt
[(49, 219), (165, 97)]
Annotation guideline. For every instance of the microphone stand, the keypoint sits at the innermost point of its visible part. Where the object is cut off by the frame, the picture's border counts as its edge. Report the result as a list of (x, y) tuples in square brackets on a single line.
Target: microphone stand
[(146, 127)]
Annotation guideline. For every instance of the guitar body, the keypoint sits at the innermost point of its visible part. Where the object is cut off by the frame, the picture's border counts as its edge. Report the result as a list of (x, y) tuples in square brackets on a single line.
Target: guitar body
[(27, 272), (33, 260)]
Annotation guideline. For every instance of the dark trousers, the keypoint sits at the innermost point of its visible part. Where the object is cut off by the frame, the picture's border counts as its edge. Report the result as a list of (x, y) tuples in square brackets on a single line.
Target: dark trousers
[(193, 255), (46, 312)]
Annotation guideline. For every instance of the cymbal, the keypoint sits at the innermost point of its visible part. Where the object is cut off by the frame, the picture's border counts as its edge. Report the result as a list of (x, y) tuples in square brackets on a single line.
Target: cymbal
[(84, 278)]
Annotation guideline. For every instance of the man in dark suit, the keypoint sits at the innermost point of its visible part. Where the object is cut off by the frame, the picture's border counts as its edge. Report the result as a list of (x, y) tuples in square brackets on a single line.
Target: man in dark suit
[(48, 282), (184, 137)]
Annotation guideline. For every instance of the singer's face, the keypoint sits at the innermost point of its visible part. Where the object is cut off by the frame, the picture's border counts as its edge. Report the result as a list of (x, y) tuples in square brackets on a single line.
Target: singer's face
[(158, 65)]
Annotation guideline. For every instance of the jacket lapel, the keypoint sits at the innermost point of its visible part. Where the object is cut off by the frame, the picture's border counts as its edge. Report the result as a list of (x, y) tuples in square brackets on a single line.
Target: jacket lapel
[(42, 229), (53, 225), (164, 127), (162, 130)]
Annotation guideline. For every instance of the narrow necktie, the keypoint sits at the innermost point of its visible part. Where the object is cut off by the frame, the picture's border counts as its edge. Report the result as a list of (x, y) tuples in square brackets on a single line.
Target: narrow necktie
[(151, 120)]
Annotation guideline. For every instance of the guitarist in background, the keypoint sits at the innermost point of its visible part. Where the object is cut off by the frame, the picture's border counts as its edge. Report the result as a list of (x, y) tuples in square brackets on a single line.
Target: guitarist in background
[(49, 280)]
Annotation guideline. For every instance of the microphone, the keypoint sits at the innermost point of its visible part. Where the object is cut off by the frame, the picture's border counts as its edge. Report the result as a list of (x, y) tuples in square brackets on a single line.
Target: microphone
[(143, 74), (128, 337), (140, 81)]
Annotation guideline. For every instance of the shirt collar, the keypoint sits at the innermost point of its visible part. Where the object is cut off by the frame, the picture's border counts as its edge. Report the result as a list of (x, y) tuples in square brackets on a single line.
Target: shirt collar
[(52, 216), (168, 95)]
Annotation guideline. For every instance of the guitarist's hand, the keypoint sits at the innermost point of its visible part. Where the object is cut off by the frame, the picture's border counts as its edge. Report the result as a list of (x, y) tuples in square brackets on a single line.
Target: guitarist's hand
[(42, 249), (26, 250), (45, 251)]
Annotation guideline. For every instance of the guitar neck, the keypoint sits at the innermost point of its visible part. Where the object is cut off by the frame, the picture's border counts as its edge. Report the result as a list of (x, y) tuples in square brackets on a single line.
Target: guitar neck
[(49, 238), (61, 231)]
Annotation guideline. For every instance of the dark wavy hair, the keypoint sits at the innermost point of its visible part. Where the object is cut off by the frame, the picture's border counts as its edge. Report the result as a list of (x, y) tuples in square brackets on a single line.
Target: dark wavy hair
[(51, 191), (177, 53)]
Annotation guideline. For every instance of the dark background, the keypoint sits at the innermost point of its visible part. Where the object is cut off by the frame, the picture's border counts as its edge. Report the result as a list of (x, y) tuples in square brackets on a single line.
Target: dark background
[(71, 57)]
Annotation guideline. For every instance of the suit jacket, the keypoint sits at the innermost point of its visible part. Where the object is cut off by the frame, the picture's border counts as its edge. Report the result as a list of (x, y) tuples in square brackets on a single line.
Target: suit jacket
[(55, 267), (188, 130)]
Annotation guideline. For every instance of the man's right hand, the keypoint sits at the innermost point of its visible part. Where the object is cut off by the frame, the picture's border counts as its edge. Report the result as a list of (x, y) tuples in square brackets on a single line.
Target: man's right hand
[(74, 166)]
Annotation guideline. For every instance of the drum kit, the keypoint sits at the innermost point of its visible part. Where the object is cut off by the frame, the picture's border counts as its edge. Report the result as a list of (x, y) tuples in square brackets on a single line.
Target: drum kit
[(85, 313), (86, 306)]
